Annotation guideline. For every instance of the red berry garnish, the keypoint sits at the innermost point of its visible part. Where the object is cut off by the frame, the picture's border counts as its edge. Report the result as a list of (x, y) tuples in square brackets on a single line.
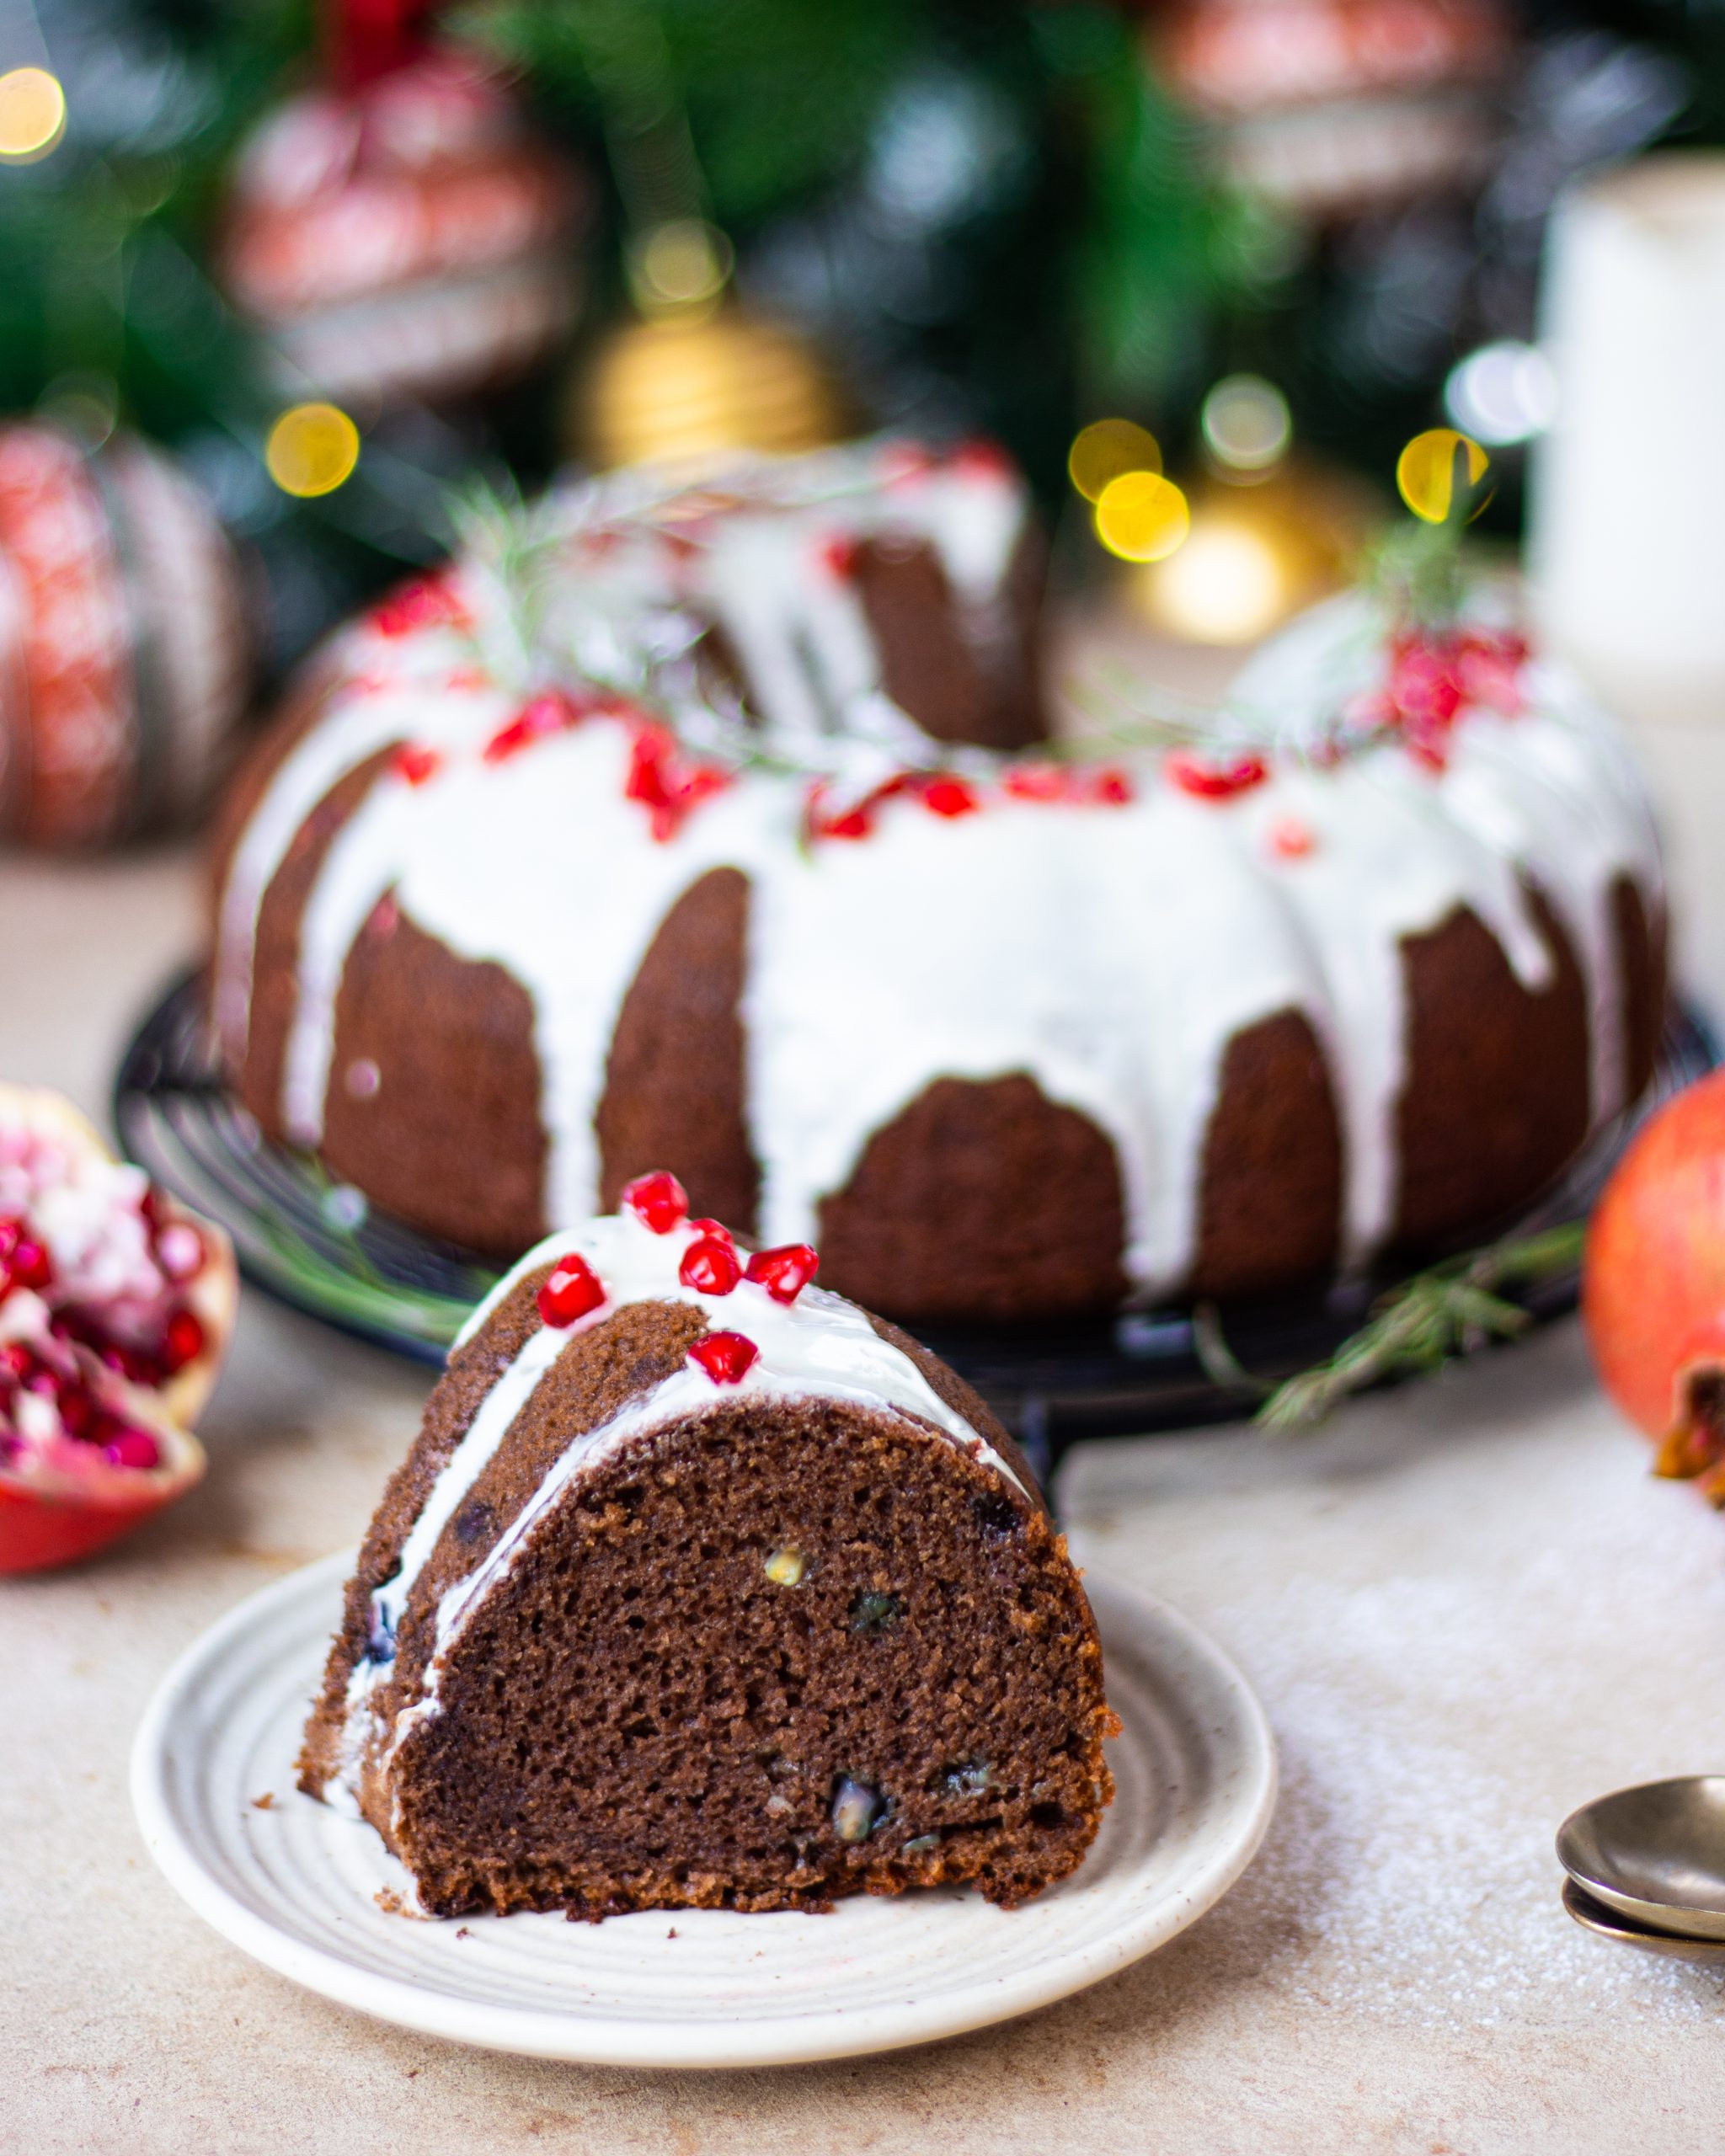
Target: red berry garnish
[(572, 1289), (1036, 783), (182, 1342), (129, 1447), (427, 600), (415, 763), (1215, 782), (658, 1199), (1112, 787), (837, 555), (710, 1265), (541, 716), (29, 1264), (784, 1272), (949, 796), (726, 1357)]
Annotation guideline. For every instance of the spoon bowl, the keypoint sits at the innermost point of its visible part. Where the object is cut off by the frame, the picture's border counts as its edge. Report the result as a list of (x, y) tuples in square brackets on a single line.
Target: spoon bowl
[(1595, 1916), (1654, 1853)]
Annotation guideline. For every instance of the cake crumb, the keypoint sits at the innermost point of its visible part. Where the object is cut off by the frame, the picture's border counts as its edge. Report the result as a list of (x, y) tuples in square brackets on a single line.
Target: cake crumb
[(463, 1933), (390, 1902), (672, 1933), (266, 1802)]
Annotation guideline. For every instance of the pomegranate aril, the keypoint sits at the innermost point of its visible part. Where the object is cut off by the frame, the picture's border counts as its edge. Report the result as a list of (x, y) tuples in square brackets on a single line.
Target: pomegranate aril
[(416, 764), (10, 1231), (182, 1341), (658, 1199), (950, 797), (15, 1361), (1210, 782), (129, 1447), (29, 1264), (727, 1357), (785, 1272), (572, 1289), (78, 1413), (710, 1265)]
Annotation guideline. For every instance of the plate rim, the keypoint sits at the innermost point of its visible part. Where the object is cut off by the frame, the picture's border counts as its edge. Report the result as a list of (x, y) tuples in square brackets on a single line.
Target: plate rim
[(783, 2039)]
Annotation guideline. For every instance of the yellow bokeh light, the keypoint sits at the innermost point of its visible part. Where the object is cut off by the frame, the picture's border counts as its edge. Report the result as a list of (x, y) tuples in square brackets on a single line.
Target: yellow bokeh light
[(32, 114), (312, 449), (1425, 472), (1107, 450), (1142, 517)]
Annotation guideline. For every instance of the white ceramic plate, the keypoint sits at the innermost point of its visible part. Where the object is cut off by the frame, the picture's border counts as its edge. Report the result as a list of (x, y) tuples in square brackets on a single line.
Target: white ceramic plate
[(296, 1884)]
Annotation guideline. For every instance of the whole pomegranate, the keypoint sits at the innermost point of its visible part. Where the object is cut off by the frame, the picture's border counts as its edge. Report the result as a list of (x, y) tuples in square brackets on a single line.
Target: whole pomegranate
[(1652, 1298), (116, 1308)]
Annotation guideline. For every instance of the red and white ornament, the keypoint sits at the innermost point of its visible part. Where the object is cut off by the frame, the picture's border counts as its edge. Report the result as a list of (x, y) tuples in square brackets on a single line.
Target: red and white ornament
[(117, 1306), (123, 652), (407, 236), (1332, 108)]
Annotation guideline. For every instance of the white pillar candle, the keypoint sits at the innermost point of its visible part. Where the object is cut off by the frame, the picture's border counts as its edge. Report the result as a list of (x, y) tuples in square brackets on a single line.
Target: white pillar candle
[(1627, 533)]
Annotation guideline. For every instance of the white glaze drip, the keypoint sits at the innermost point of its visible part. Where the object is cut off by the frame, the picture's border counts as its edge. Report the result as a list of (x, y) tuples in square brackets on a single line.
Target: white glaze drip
[(1110, 954)]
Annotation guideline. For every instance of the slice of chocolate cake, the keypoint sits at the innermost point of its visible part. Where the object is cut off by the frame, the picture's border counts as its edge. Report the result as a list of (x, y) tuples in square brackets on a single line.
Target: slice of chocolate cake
[(703, 1587)]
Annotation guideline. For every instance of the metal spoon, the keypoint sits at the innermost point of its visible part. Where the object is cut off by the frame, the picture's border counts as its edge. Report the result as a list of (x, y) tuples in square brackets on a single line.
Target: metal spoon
[(1654, 1853), (1594, 1916)]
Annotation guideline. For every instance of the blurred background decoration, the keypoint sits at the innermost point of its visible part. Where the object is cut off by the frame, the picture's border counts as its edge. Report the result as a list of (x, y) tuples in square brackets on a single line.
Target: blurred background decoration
[(331, 259)]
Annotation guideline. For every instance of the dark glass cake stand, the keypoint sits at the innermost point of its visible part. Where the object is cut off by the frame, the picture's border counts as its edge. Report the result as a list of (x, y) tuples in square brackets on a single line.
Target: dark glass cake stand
[(314, 1246)]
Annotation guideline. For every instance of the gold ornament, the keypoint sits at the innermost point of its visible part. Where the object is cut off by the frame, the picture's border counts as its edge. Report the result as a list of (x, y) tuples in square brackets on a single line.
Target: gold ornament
[(693, 385)]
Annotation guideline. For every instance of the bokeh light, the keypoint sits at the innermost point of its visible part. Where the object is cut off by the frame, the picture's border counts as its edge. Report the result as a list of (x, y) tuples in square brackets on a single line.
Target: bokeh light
[(682, 264), (1107, 450), (1506, 392), (312, 449), (32, 114), (1227, 585), (1246, 424), (1426, 472), (1142, 517)]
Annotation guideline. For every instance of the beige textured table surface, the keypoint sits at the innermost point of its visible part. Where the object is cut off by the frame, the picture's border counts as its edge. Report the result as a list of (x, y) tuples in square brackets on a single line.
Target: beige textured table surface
[(1466, 1607)]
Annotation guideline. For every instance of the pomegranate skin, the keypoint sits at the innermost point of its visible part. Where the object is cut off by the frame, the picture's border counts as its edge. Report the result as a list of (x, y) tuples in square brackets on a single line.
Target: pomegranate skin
[(1652, 1295), (40, 1531)]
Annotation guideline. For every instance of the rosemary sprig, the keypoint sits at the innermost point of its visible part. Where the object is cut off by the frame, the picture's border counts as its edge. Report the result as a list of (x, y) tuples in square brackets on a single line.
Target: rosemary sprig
[(1447, 1311)]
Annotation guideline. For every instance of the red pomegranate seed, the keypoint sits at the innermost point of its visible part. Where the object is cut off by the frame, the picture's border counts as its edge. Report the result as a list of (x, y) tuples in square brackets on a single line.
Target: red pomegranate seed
[(182, 1340), (573, 1290), (15, 1361), (427, 600), (1036, 783), (785, 1272), (727, 1357), (10, 1230), (77, 1412), (710, 1265), (658, 1199), (415, 763), (1215, 782), (950, 797), (837, 555), (129, 1447), (30, 1264), (1112, 788)]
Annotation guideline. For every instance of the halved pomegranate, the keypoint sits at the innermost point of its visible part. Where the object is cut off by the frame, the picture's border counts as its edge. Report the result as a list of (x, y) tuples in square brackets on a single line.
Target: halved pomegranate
[(117, 1306)]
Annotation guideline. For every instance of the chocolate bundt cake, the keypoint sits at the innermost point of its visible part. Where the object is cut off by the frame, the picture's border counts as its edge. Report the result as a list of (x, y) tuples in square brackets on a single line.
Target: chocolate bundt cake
[(701, 1588), (711, 827)]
